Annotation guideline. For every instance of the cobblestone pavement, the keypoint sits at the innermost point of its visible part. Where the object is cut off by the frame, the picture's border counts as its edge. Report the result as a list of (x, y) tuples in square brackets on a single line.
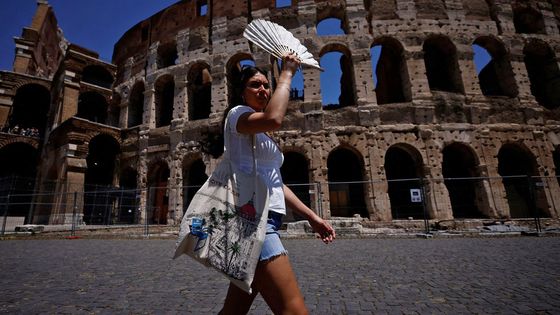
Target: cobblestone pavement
[(518, 275)]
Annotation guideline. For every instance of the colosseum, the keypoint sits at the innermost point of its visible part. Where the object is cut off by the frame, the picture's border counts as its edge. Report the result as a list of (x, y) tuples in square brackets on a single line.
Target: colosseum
[(415, 134)]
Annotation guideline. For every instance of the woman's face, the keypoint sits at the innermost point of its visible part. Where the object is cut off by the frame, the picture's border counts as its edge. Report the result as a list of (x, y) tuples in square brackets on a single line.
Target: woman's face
[(257, 92)]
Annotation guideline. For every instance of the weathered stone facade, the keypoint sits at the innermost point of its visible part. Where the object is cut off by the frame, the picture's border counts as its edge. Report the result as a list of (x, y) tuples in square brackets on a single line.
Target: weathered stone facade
[(427, 116)]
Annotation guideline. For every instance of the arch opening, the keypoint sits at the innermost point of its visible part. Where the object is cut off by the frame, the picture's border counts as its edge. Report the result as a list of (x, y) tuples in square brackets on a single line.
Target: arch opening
[(200, 92), (136, 105), (544, 75), (495, 75), (390, 72), (158, 177), (346, 186), (93, 107), (164, 100), (194, 177), (460, 174), (295, 174), (403, 171), (97, 75), (29, 110), (516, 166), (337, 83), (98, 183), (442, 68)]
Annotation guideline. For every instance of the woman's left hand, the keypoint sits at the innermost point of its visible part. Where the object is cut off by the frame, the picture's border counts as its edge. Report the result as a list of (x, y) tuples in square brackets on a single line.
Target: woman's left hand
[(323, 229)]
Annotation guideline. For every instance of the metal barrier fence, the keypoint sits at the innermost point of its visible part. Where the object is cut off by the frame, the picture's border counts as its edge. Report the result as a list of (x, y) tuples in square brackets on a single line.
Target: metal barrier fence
[(515, 197)]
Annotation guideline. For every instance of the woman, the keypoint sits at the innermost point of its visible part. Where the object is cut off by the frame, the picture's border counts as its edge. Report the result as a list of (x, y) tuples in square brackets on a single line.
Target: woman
[(263, 112)]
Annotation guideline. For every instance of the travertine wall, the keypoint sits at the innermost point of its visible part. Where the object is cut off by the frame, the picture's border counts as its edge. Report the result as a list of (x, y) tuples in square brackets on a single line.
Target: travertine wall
[(439, 107)]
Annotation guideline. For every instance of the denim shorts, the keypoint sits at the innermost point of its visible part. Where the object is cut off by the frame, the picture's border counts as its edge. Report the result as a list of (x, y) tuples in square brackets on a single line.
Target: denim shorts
[(272, 245)]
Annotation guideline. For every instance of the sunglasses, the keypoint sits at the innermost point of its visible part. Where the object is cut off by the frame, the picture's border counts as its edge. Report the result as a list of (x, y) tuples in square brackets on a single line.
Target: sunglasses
[(256, 85)]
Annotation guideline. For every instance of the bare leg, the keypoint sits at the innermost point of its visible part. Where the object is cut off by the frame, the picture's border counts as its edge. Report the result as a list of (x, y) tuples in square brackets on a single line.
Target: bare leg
[(276, 282), (237, 301)]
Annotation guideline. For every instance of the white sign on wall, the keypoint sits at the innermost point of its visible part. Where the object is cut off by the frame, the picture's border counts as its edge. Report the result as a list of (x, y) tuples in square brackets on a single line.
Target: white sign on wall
[(415, 195)]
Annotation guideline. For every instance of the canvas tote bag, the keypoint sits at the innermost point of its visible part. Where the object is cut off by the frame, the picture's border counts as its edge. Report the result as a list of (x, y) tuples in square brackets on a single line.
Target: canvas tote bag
[(225, 224)]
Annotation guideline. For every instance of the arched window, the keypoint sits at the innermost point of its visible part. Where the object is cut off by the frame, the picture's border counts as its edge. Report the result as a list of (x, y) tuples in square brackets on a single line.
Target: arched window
[(431, 9), (136, 105), (494, 71), (330, 26), (442, 68), (167, 55), (30, 109), (527, 20), (194, 176), (390, 73), (93, 107), (543, 72), (234, 66), (337, 81), (199, 91), (164, 100), (97, 75)]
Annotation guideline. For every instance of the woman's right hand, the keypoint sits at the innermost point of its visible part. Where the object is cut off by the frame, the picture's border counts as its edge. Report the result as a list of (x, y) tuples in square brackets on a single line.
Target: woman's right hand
[(291, 63)]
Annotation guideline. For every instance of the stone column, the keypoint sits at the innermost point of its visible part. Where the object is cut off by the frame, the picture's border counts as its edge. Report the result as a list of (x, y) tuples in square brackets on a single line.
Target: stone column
[(149, 116)]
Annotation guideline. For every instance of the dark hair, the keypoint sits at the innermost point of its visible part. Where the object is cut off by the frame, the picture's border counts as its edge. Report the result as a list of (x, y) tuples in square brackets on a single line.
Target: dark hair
[(215, 140)]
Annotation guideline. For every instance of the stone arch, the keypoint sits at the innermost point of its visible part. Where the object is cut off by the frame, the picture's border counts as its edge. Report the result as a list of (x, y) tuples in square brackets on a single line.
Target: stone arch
[(136, 105), (158, 179), (164, 100), (431, 9), (233, 76), (295, 174), (97, 75), (93, 107), (333, 11), (167, 55), (476, 10), (345, 71), (462, 180), (516, 165), (380, 9), (194, 176), (346, 183), (101, 162), (331, 26), (30, 108), (527, 19), (403, 170), (544, 75), (199, 85), (393, 82), (18, 169), (129, 212), (442, 67), (497, 77)]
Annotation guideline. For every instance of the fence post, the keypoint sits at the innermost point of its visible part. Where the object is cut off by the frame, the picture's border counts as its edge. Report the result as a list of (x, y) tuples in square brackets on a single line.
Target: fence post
[(533, 201), (425, 212), (74, 210), (5, 214)]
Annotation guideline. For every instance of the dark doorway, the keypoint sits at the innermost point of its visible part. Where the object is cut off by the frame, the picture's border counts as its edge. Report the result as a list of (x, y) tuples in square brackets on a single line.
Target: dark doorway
[(165, 94), (295, 174), (93, 107), (30, 109), (158, 178), (99, 189), (403, 174), (136, 105), (18, 167), (346, 187), (459, 171), (516, 166)]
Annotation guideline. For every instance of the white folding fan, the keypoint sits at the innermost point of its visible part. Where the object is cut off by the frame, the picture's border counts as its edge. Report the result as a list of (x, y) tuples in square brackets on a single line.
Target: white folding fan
[(277, 41)]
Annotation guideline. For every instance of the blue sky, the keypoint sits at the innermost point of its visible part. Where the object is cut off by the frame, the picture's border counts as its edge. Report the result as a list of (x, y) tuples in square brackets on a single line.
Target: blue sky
[(98, 25)]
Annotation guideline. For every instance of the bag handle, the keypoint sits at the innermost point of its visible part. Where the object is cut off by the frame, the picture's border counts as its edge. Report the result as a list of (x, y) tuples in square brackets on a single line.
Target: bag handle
[(227, 145)]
